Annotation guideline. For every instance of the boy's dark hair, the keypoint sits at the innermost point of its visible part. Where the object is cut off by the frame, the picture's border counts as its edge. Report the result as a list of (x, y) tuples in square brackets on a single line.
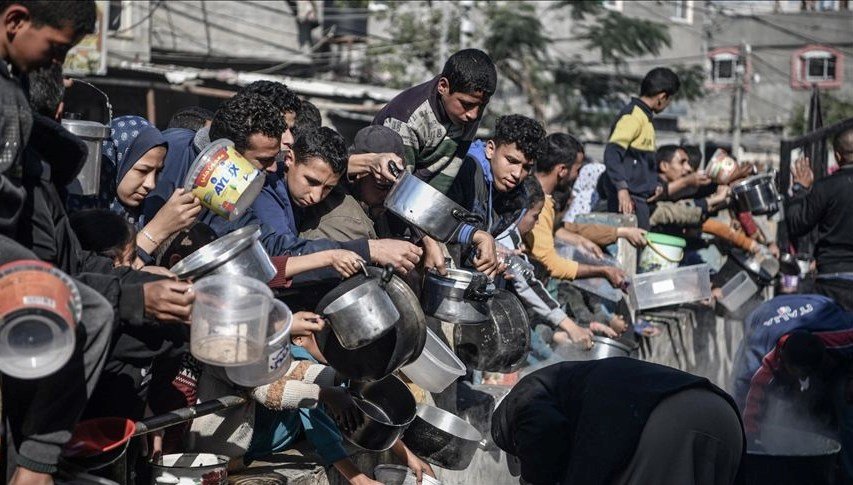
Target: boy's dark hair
[(533, 190), (323, 143), (694, 155), (665, 153), (558, 148), (471, 71), (307, 118), (243, 115), (80, 15), (192, 118), (803, 349), (660, 80), (46, 89), (843, 144), (526, 133), (102, 231), (276, 93)]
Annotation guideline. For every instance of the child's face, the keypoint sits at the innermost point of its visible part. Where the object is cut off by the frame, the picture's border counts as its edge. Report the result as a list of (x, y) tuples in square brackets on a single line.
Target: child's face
[(30, 47), (310, 182), (530, 217), (309, 343), (461, 108), (141, 178), (509, 165)]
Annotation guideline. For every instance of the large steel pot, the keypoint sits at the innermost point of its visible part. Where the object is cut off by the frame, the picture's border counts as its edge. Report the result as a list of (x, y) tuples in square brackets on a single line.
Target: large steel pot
[(790, 457), (424, 207), (460, 297), (363, 312), (387, 408), (88, 181), (501, 343), (238, 253), (401, 345), (757, 194), (442, 438)]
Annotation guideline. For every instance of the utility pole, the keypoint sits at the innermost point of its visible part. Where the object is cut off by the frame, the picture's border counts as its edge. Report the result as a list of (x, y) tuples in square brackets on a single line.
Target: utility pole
[(445, 23), (706, 43), (740, 79), (466, 25)]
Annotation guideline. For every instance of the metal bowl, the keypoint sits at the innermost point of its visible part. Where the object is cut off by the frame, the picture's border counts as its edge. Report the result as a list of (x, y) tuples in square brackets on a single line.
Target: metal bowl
[(460, 297), (442, 438), (387, 408), (603, 348), (237, 253)]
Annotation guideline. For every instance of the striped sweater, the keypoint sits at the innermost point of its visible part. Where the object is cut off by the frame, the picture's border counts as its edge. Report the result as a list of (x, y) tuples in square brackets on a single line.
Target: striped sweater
[(434, 146)]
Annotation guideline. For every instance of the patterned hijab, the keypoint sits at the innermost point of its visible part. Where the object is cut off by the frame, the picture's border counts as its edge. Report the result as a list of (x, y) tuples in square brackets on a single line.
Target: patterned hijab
[(130, 138)]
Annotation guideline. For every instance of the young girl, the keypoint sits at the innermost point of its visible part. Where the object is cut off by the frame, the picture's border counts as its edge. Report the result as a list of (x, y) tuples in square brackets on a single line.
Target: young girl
[(136, 150), (105, 233)]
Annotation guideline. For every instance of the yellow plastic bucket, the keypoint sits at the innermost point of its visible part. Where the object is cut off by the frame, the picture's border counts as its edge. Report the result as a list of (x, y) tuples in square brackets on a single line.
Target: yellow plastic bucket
[(223, 180)]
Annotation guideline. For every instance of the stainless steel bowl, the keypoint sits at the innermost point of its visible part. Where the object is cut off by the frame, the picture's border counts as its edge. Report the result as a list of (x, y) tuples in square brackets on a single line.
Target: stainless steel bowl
[(442, 438), (237, 253)]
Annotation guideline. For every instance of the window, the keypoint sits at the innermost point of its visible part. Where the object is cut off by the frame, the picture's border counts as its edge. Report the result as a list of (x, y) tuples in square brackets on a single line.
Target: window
[(682, 11), (120, 17), (816, 65), (724, 68), (612, 5)]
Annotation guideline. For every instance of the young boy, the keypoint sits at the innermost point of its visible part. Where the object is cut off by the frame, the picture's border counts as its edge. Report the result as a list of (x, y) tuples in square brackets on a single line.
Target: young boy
[(438, 121), (631, 176)]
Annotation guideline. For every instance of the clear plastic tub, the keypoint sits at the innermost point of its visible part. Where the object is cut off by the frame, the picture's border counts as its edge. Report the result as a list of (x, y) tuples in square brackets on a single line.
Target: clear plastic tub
[(436, 368), (276, 357), (737, 291), (229, 320), (597, 286), (39, 311), (670, 287)]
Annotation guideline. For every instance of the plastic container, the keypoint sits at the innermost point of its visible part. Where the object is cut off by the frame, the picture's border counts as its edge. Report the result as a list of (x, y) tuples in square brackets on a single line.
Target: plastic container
[(223, 180), (721, 167), (229, 320), (190, 469), (400, 475), (670, 287), (662, 252), (276, 357), (39, 311), (436, 368), (597, 286), (737, 291)]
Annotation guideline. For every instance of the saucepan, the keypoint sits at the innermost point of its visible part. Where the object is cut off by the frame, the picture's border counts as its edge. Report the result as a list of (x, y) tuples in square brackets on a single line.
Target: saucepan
[(460, 297), (363, 312), (757, 194), (238, 253), (424, 207)]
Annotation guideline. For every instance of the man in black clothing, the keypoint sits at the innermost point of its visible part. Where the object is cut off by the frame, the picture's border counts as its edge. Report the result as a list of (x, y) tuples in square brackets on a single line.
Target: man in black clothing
[(824, 205), (620, 421)]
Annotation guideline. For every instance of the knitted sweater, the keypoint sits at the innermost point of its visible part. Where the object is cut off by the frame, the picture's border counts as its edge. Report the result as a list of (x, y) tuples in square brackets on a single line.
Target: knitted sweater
[(229, 432)]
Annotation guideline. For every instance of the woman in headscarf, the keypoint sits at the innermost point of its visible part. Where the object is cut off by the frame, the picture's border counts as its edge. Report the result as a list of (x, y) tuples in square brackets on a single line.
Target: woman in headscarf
[(137, 149)]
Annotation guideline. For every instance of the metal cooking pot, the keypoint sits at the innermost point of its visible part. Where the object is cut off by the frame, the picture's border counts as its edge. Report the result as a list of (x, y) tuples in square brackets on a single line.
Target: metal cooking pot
[(790, 457), (424, 207), (363, 313), (88, 181), (387, 408), (400, 346), (757, 194), (499, 344), (442, 438), (602, 348), (238, 253), (460, 297)]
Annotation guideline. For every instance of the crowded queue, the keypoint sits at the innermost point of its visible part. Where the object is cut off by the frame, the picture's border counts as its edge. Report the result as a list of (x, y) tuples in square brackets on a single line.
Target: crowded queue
[(501, 210)]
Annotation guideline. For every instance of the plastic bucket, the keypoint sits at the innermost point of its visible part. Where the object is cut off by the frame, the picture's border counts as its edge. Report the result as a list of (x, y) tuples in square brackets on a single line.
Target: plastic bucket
[(662, 252), (721, 167), (276, 357), (39, 310), (190, 469), (223, 180), (229, 320), (436, 368)]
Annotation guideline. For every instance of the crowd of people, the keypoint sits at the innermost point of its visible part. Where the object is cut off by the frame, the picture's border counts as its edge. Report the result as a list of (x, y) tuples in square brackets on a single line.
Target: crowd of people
[(321, 216)]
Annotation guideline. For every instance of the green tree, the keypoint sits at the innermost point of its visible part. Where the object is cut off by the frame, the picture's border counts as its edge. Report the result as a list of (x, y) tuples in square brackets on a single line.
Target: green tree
[(834, 110)]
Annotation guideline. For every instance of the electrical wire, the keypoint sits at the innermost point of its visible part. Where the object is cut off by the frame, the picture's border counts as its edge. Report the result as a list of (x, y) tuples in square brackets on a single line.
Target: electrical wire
[(137, 23)]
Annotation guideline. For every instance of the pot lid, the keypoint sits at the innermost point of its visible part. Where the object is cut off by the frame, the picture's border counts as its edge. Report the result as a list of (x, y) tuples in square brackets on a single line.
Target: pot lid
[(216, 253), (666, 239)]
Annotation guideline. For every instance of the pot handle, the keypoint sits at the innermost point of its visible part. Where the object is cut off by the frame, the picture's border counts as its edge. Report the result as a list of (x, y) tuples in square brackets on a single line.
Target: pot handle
[(364, 268), (466, 217), (480, 288), (392, 167), (387, 274)]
